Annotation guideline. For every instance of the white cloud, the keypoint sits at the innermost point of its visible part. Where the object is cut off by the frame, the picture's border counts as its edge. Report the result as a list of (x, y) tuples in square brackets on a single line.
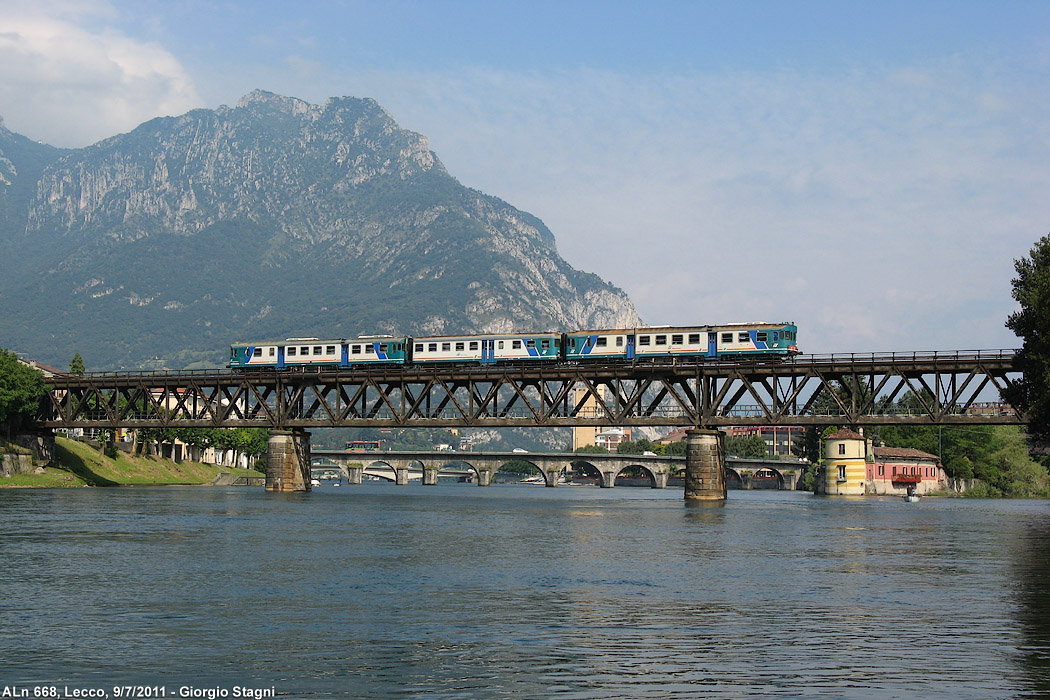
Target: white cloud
[(69, 83)]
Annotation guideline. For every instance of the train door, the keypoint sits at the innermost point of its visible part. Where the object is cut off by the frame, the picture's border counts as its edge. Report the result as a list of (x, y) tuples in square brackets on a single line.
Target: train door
[(280, 357), (712, 344), (488, 352), (344, 355), (630, 347)]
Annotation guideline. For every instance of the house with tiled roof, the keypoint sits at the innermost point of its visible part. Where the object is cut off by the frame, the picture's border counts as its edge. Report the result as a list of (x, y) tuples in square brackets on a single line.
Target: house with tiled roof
[(894, 469)]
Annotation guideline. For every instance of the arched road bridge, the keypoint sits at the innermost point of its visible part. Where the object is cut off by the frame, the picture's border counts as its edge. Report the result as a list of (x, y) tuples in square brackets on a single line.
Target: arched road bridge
[(427, 466)]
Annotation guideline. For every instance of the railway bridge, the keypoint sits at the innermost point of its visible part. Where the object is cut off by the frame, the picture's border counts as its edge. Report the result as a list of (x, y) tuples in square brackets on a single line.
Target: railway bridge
[(944, 388)]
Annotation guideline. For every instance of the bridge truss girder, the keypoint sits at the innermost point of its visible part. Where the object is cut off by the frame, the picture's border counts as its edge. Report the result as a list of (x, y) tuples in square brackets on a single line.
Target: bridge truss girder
[(945, 389)]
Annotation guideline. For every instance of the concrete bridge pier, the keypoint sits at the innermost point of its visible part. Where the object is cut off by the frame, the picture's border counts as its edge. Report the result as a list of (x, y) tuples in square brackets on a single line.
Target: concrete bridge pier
[(660, 480), (608, 479), (288, 461), (401, 476), (704, 465), (354, 475), (430, 476), (484, 477)]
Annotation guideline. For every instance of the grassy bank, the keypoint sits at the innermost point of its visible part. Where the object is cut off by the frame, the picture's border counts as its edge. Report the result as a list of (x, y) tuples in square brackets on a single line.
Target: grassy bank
[(80, 464)]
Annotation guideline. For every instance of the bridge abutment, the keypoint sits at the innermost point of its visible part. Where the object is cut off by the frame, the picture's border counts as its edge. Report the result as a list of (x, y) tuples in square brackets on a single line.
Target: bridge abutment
[(288, 461), (704, 465)]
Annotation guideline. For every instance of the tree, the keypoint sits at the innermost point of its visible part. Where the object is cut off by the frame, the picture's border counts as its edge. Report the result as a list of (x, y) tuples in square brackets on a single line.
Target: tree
[(76, 365), (21, 388), (1030, 395), (753, 447)]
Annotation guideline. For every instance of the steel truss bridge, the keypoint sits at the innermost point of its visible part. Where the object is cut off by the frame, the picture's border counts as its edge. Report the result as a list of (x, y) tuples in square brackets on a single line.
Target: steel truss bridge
[(943, 388)]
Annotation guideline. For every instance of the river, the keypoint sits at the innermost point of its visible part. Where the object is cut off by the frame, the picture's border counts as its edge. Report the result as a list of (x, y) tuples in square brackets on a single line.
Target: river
[(511, 591)]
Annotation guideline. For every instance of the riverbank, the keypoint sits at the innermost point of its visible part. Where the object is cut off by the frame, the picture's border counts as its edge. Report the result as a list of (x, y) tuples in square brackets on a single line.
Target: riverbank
[(80, 464)]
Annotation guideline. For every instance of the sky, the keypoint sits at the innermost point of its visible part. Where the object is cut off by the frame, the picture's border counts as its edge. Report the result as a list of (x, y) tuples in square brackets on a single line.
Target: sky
[(868, 170)]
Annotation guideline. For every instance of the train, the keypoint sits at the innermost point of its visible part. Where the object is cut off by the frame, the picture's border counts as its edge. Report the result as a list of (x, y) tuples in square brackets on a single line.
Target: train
[(650, 344)]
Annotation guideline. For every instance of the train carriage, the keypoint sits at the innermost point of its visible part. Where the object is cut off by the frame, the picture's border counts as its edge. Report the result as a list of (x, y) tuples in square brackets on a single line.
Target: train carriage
[(487, 349), (669, 341), (300, 352)]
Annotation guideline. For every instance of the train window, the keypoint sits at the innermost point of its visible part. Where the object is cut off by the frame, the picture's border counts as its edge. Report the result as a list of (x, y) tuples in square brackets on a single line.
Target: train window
[(727, 337), (619, 341), (419, 347), (545, 345), (788, 335), (643, 340), (317, 349), (473, 345), (501, 345), (355, 350), (530, 343), (369, 349), (446, 347), (291, 352), (761, 336), (383, 347), (557, 342), (516, 345), (742, 337), (661, 340), (602, 341), (330, 350), (433, 347), (304, 351), (694, 338), (273, 351), (461, 346), (676, 339)]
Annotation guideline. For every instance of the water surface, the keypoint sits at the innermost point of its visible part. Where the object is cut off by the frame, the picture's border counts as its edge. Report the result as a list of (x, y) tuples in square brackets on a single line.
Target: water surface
[(458, 591)]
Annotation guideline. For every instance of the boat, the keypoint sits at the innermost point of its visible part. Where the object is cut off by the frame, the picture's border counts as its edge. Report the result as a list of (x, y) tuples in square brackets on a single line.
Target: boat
[(911, 496)]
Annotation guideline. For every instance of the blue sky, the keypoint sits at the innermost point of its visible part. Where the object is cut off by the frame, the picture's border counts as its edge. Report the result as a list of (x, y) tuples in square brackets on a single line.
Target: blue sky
[(867, 170)]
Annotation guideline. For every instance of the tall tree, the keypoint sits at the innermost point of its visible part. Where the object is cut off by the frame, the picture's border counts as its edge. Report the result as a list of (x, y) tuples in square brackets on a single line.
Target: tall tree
[(76, 365), (1031, 288), (21, 388)]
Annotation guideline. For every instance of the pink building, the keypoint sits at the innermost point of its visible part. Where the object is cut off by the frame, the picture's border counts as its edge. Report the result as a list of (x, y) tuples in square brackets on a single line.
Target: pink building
[(893, 469)]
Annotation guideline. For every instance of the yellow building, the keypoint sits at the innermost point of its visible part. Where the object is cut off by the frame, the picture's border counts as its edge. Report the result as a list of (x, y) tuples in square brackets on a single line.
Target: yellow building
[(845, 459), (585, 435)]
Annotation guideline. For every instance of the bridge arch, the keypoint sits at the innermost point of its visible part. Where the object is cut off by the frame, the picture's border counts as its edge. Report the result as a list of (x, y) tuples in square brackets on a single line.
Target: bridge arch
[(646, 472)]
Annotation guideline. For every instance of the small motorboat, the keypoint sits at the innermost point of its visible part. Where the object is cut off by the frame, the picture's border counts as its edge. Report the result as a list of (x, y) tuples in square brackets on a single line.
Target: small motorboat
[(911, 496)]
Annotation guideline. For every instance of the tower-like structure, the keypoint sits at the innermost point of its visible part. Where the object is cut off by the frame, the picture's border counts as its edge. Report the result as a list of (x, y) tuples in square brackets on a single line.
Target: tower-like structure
[(845, 459)]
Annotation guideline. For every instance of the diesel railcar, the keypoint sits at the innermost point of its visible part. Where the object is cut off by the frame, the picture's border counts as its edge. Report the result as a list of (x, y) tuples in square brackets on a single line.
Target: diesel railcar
[(628, 344)]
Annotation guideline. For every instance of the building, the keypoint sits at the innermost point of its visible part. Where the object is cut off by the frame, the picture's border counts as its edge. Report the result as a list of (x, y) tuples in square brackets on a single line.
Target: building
[(778, 438), (894, 469), (853, 467), (845, 464), (610, 438)]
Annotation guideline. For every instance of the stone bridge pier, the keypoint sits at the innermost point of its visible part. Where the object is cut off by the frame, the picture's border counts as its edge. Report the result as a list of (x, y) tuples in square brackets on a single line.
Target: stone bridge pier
[(705, 465), (288, 461)]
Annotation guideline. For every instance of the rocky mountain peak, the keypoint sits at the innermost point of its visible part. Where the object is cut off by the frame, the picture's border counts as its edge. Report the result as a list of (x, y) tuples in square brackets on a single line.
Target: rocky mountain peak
[(274, 218)]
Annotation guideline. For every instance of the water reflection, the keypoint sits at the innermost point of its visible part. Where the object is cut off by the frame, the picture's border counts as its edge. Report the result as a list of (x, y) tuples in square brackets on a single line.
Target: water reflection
[(1032, 566)]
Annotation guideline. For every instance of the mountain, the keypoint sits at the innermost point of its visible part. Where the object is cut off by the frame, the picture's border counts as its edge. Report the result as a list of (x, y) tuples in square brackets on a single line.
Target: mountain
[(271, 219)]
